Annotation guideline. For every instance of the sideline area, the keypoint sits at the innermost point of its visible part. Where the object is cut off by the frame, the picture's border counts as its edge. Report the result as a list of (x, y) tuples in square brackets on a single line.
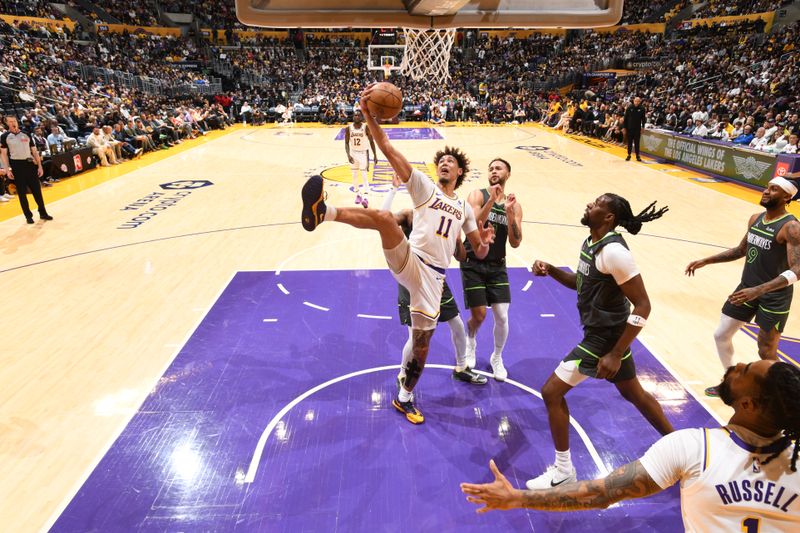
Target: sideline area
[(81, 182)]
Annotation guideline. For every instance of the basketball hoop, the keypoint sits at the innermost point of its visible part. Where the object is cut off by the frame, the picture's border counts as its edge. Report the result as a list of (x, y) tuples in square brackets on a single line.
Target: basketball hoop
[(427, 53)]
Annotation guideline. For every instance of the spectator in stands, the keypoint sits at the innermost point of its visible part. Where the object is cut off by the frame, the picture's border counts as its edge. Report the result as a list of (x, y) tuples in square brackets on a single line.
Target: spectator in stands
[(57, 138), (759, 142), (101, 148), (700, 129), (746, 136)]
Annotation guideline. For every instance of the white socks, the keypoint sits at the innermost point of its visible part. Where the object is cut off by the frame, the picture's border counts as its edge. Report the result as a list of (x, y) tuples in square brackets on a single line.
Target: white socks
[(723, 337), (564, 462), (459, 338), (330, 213), (500, 313)]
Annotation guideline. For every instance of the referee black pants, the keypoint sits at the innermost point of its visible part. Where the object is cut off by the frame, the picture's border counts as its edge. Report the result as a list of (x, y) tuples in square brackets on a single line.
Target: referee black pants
[(26, 179), (633, 139)]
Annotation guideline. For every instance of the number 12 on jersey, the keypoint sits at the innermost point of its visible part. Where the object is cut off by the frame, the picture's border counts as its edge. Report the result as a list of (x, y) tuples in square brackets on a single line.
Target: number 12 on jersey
[(444, 232)]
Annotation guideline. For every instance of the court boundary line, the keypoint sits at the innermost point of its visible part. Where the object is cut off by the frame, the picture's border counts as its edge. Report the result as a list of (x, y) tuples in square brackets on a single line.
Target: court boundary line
[(62, 506), (277, 224), (683, 384), (262, 441), (180, 150)]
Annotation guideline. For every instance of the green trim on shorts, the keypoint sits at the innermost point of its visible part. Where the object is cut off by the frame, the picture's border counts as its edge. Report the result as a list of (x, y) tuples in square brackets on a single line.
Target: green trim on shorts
[(625, 355), (771, 311), (446, 302), (497, 284), (475, 288), (587, 351)]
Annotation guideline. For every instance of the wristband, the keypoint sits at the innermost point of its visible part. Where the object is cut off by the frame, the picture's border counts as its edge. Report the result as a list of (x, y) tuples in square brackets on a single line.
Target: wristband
[(790, 276), (637, 321)]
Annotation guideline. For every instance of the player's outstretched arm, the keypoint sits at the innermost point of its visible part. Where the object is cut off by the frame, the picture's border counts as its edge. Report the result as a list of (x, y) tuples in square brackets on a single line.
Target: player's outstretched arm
[(624, 483), (567, 279), (731, 254), (399, 163)]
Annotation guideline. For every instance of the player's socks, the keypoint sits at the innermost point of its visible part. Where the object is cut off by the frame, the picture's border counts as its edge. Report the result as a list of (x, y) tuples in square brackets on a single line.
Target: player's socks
[(405, 396), (564, 462)]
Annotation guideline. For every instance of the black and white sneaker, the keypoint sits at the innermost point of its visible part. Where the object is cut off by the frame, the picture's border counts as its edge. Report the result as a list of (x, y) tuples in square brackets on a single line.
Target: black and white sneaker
[(313, 203), (552, 477), (469, 376)]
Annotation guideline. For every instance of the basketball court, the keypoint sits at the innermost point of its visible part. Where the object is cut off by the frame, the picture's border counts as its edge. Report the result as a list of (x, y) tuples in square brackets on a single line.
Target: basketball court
[(181, 332), (179, 354)]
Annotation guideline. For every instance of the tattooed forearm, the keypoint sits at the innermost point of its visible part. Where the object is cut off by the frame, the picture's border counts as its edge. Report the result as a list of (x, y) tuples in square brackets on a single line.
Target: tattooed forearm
[(515, 231), (626, 482)]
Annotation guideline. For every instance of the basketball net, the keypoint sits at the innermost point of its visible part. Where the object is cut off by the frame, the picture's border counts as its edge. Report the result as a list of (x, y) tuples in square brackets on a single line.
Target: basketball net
[(427, 53)]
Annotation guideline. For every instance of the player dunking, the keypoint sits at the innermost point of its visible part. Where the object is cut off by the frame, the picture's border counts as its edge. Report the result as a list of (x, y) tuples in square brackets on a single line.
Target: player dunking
[(742, 477), (607, 279), (772, 248), (355, 145), (448, 309), (485, 280), (419, 262)]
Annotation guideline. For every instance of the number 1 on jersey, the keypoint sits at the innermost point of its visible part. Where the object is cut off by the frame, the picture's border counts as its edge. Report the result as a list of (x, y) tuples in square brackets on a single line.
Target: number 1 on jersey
[(750, 525), (446, 233)]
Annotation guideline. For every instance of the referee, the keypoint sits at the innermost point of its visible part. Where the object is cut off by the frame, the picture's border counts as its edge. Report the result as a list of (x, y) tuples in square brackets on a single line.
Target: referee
[(24, 164)]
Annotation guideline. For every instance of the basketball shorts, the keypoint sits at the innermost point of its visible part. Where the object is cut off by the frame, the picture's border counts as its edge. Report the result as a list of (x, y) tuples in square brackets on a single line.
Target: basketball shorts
[(485, 283), (770, 310), (424, 284), (581, 362), (360, 161), (448, 309)]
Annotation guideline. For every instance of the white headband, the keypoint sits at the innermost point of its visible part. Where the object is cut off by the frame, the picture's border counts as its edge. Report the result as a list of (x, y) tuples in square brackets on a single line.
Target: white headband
[(784, 184)]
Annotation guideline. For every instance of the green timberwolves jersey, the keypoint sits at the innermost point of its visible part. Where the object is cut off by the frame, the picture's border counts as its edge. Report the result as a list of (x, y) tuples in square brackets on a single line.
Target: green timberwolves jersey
[(601, 303), (766, 257), (498, 219)]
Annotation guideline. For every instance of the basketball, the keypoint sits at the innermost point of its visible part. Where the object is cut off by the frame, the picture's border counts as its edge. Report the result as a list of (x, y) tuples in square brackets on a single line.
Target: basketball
[(385, 101)]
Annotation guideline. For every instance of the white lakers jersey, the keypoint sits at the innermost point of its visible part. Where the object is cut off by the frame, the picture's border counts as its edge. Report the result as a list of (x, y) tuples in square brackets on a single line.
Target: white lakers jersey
[(724, 484), (358, 138), (438, 220)]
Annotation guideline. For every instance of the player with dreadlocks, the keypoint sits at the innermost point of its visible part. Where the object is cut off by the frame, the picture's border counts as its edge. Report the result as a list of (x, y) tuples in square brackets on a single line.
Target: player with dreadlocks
[(607, 278), (741, 477)]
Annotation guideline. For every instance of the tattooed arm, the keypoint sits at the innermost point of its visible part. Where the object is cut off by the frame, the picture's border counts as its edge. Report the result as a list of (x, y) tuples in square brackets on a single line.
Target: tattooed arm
[(790, 234), (723, 257), (627, 482)]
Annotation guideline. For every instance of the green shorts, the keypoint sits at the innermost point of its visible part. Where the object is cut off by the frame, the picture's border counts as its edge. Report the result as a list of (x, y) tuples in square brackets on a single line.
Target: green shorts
[(594, 345), (485, 283), (448, 309), (771, 310)]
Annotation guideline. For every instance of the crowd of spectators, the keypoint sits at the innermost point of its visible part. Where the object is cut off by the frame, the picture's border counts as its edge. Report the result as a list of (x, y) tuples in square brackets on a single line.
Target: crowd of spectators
[(211, 13), (721, 84), (638, 11), (729, 82), (140, 13), (29, 8), (726, 8)]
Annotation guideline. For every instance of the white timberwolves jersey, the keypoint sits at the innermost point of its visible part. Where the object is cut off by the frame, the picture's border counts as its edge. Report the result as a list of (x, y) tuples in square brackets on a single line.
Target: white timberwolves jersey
[(438, 220), (358, 138), (724, 484)]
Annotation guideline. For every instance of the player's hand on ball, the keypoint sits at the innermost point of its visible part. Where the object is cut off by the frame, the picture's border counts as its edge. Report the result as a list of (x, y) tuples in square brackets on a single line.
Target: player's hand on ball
[(540, 268)]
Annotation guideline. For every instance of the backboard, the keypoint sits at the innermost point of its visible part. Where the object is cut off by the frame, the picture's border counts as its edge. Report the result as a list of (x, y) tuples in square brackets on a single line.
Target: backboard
[(429, 13)]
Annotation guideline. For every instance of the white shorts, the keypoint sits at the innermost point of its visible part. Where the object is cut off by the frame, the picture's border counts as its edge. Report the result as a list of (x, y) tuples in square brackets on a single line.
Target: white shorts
[(423, 283), (567, 371), (360, 161)]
